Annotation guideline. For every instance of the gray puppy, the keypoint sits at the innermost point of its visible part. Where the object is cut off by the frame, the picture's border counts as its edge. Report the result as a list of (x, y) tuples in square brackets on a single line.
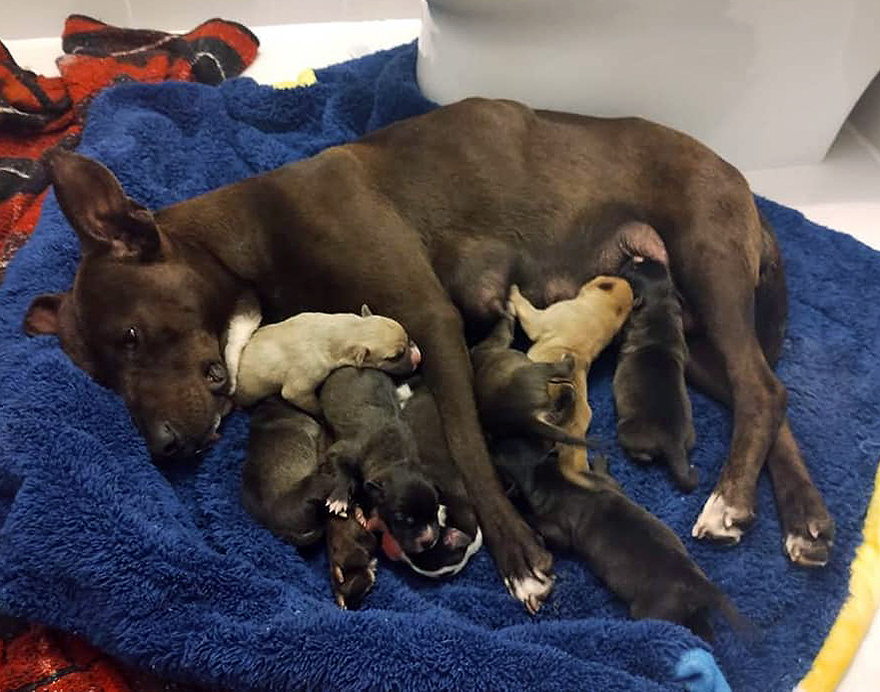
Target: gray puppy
[(374, 451), (654, 418), (282, 485), (515, 394)]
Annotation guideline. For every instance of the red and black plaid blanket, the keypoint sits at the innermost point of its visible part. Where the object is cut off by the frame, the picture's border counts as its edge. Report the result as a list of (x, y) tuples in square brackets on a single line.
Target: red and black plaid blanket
[(38, 113)]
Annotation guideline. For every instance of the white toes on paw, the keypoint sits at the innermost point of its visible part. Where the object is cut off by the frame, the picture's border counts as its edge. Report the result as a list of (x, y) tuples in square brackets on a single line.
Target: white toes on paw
[(717, 521), (530, 591), (338, 507), (799, 548)]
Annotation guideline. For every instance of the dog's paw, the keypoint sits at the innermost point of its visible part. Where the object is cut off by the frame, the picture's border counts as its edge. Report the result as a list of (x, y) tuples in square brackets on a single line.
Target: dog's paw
[(532, 590), (721, 521), (526, 566), (809, 529), (338, 507)]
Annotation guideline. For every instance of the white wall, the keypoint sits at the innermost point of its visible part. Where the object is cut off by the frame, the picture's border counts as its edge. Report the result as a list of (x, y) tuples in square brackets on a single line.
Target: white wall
[(866, 114), (47, 21)]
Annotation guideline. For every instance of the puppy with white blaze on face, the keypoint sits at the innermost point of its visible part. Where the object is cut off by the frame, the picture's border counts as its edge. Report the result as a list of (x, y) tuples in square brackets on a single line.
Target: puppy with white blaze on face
[(374, 452)]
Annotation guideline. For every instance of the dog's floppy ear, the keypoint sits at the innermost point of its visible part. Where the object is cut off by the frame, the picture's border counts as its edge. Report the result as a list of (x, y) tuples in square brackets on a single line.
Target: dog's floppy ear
[(104, 218), (42, 315), (365, 311), (375, 490)]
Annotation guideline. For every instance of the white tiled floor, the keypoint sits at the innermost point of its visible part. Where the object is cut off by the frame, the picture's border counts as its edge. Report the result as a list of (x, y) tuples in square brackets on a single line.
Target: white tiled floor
[(842, 192)]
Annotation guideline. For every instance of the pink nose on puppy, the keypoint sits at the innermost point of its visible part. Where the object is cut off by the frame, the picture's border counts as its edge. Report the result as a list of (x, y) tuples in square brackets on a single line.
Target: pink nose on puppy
[(415, 354)]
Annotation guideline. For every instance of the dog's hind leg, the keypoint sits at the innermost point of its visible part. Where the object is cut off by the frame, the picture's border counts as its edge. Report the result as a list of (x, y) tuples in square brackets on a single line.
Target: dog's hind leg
[(721, 293), (807, 526)]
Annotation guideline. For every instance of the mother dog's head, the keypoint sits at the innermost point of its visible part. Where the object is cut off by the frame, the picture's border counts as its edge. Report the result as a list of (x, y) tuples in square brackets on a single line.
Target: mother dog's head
[(144, 316)]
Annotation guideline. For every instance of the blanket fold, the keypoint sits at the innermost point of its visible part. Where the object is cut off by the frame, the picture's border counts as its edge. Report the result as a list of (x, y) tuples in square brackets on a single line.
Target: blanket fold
[(166, 570)]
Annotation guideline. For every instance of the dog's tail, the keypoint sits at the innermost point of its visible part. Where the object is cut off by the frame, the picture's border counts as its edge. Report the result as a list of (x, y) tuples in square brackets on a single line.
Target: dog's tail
[(554, 433)]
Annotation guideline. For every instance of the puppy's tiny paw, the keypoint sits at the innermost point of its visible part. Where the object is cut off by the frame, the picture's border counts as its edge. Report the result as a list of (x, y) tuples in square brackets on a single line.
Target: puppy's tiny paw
[(721, 521), (337, 507)]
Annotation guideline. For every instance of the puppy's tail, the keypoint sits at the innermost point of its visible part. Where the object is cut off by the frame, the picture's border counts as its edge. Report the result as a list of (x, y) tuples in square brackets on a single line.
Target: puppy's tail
[(554, 433), (700, 620)]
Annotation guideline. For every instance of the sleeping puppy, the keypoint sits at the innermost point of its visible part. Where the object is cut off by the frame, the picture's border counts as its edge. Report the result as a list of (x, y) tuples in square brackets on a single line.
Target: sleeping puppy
[(282, 485), (654, 419), (293, 357), (374, 451), (460, 535), (582, 326), (635, 554), (285, 488), (516, 394)]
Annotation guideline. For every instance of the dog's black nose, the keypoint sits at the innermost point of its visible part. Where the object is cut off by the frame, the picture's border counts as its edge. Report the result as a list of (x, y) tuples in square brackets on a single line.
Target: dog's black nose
[(217, 376), (166, 441)]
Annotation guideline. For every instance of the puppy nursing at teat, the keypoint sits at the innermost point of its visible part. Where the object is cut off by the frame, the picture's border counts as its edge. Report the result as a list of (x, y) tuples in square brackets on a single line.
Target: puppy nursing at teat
[(295, 356), (581, 327), (515, 394), (375, 453), (654, 418)]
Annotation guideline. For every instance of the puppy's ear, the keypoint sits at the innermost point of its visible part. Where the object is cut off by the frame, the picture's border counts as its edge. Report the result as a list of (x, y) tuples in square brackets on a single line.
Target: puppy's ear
[(361, 353), (375, 490), (104, 218), (365, 311), (344, 453), (42, 315)]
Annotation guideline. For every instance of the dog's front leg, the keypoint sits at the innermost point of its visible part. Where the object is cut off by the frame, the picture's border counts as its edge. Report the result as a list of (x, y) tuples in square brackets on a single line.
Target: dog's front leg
[(523, 563)]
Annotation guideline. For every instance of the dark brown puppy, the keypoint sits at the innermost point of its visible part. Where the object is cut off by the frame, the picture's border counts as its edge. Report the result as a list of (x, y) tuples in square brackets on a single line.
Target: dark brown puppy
[(515, 394), (374, 452), (282, 485), (654, 418), (637, 556), (392, 220)]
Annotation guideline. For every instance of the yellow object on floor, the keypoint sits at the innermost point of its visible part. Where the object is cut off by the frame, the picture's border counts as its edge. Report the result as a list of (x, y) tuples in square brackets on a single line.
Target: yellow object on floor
[(304, 78), (858, 612)]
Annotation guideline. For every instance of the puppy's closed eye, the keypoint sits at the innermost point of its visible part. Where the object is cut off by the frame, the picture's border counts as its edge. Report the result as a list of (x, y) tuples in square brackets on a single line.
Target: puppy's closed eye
[(398, 354)]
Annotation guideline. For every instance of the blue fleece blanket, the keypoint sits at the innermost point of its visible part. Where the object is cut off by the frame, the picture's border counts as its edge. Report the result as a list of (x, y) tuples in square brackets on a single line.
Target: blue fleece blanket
[(168, 571)]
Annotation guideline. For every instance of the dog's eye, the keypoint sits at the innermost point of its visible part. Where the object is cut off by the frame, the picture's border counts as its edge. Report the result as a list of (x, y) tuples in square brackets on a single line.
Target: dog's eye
[(398, 354), (131, 338)]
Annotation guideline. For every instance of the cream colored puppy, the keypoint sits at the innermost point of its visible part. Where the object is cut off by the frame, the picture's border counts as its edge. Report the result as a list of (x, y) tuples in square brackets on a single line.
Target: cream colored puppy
[(583, 327), (295, 356)]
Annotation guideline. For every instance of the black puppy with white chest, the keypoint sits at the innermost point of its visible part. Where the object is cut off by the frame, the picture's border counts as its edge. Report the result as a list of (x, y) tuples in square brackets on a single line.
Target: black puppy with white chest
[(654, 417), (374, 451), (635, 554)]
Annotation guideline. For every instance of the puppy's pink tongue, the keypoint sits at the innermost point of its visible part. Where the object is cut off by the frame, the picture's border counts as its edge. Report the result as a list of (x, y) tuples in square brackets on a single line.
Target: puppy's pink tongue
[(391, 547)]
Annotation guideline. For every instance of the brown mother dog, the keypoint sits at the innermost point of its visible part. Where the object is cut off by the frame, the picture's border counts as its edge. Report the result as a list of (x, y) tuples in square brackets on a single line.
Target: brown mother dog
[(429, 221)]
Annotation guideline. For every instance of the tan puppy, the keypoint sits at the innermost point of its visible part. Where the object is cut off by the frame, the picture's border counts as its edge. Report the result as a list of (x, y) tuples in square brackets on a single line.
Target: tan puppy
[(582, 327), (295, 356)]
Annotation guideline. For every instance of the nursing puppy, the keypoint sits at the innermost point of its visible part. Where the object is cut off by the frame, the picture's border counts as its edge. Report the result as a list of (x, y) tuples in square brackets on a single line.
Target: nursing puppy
[(654, 418), (460, 535), (635, 554), (282, 485), (374, 451), (582, 327), (516, 394), (293, 357)]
